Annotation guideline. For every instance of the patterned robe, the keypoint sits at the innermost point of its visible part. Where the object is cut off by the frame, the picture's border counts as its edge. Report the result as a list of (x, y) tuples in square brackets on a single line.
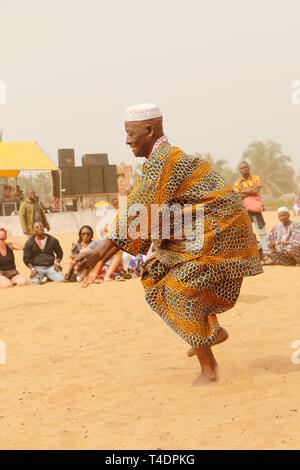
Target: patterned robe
[(187, 284)]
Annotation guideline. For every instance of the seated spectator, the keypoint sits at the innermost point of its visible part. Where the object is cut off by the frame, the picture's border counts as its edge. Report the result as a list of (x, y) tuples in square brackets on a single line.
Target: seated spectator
[(284, 241), (85, 242), (112, 269), (132, 265), (9, 276), (39, 255)]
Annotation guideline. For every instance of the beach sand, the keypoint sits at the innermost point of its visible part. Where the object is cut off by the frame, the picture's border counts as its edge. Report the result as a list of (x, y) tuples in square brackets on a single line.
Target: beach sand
[(96, 369)]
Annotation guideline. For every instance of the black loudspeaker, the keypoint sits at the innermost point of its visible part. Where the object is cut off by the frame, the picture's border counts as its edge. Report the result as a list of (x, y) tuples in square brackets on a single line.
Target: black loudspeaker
[(80, 180), (96, 179), (66, 181), (94, 159), (66, 158), (110, 178), (55, 183)]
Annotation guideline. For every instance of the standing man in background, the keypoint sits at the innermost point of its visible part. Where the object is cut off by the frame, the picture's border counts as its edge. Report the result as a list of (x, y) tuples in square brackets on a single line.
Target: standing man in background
[(31, 212), (249, 187)]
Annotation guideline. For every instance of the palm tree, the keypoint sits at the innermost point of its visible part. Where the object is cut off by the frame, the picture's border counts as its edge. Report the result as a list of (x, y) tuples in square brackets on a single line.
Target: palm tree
[(267, 160), (220, 166)]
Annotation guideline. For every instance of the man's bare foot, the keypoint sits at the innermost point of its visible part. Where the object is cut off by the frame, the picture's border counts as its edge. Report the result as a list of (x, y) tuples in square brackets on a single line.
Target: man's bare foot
[(222, 336), (205, 379)]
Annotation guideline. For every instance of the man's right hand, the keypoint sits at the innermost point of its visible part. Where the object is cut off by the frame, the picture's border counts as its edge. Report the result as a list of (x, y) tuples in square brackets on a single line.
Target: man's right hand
[(33, 273)]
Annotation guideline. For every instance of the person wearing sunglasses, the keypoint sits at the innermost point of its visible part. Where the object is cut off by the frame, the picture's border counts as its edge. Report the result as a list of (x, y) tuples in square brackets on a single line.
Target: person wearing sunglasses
[(85, 242)]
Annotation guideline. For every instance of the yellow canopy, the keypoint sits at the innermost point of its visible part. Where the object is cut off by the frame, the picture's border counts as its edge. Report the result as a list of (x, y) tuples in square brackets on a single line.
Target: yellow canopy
[(101, 204), (17, 156)]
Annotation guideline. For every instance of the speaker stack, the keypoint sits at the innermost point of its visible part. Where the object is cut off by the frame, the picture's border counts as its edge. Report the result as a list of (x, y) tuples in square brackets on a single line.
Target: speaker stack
[(95, 176), (94, 159)]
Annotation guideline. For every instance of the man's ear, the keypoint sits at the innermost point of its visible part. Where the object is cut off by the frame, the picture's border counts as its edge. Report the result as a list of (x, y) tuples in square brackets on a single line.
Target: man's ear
[(150, 130)]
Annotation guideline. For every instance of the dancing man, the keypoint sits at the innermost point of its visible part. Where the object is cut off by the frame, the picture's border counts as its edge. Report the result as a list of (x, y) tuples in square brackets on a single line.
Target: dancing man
[(188, 280)]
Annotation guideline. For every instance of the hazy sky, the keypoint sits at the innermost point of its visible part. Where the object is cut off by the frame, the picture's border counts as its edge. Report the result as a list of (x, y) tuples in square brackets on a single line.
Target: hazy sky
[(221, 71)]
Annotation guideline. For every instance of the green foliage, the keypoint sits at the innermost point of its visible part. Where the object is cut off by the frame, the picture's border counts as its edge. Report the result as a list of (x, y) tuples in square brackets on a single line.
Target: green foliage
[(274, 168), (221, 167), (286, 200), (41, 183), (267, 160)]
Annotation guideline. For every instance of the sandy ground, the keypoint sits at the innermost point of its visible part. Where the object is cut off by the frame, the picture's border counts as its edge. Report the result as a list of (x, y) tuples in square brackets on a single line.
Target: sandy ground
[(95, 368)]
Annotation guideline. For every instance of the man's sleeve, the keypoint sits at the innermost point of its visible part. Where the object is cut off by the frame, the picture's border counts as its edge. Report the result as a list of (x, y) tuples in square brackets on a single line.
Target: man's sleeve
[(295, 238), (27, 253), (58, 249), (130, 229), (22, 215), (257, 181), (45, 221)]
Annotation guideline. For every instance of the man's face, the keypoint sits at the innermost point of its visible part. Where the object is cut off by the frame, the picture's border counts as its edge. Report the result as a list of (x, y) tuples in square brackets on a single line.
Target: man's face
[(244, 170), (31, 195), (284, 217), (38, 228), (139, 138)]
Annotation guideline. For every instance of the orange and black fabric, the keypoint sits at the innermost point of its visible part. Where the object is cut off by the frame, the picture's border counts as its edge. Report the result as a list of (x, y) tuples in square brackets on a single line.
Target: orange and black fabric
[(188, 281)]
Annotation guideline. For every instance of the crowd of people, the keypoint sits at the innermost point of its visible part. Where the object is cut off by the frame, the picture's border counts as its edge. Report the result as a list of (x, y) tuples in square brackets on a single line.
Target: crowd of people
[(282, 245), (10, 192), (43, 253)]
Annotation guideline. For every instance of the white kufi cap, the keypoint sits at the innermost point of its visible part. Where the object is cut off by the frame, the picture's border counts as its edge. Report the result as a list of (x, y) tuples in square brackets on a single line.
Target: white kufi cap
[(282, 209), (142, 112)]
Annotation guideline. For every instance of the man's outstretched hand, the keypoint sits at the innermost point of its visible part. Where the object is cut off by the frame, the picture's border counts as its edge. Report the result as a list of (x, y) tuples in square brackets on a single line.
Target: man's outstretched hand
[(88, 278), (87, 260), (90, 262)]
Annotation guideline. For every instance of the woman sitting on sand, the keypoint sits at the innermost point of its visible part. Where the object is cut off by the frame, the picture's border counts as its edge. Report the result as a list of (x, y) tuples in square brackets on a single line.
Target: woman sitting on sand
[(9, 276), (113, 268), (85, 242)]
